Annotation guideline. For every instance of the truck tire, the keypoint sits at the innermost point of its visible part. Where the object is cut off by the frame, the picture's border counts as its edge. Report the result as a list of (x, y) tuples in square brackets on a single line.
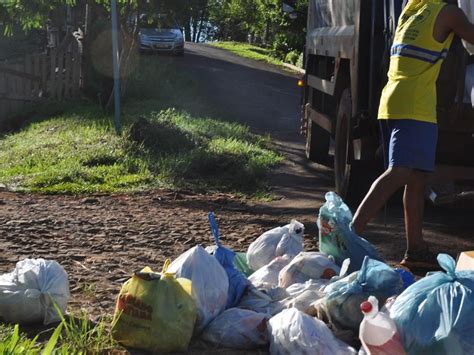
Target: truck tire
[(317, 143), (349, 178)]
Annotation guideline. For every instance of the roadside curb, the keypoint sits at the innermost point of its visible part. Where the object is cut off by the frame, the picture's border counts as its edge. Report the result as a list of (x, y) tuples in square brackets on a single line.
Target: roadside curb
[(294, 68)]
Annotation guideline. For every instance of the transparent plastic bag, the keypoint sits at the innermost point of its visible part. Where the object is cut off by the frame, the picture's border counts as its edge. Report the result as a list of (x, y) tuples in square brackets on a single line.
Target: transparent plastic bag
[(209, 280), (293, 332), (336, 237), (276, 242), (434, 315), (268, 274), (240, 263), (238, 329), (28, 294), (306, 266), (341, 305)]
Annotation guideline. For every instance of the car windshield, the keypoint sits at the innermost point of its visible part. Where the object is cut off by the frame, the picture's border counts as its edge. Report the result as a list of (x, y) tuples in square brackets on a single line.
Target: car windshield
[(157, 21)]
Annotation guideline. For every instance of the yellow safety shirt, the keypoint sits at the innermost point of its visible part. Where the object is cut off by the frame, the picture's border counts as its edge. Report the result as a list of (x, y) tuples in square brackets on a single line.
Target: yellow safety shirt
[(415, 63)]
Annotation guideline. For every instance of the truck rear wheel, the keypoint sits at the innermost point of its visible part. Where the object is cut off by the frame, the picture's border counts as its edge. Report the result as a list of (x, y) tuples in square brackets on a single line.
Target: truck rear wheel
[(317, 143), (349, 178)]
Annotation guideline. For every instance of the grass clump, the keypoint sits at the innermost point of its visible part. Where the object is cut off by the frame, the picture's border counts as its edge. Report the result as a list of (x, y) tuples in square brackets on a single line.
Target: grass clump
[(211, 154), (74, 335), (13, 342), (81, 336)]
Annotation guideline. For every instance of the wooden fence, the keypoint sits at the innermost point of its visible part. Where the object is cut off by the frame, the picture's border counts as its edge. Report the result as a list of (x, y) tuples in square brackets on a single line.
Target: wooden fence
[(55, 75)]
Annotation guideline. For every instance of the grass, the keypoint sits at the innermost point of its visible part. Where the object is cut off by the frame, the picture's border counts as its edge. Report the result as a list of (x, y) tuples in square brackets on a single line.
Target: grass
[(89, 289), (74, 335), (14, 342), (251, 52), (172, 138)]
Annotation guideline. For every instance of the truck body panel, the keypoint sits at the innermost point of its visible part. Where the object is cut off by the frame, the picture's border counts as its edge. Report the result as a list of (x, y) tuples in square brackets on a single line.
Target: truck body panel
[(348, 47)]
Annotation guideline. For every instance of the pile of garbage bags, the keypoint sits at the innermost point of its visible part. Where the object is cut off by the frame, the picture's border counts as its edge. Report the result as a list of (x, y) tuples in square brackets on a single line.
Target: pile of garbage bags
[(276, 296), (293, 301)]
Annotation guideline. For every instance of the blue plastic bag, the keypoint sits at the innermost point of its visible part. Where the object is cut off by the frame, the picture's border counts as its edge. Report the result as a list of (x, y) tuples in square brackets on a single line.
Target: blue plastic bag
[(407, 277), (342, 303), (336, 237), (435, 314), (238, 283)]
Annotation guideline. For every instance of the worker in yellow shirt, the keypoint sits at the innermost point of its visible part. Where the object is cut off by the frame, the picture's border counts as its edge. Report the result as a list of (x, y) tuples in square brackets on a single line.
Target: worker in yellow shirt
[(407, 113)]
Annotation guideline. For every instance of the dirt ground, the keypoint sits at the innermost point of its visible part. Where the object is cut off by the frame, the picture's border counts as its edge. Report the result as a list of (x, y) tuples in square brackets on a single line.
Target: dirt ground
[(101, 240)]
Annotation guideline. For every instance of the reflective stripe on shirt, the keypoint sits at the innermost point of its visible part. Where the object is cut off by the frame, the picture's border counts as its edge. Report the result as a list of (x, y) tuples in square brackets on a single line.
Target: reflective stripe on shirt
[(411, 51)]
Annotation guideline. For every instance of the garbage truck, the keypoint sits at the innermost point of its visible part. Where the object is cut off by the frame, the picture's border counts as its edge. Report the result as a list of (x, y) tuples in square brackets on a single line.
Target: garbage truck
[(346, 60)]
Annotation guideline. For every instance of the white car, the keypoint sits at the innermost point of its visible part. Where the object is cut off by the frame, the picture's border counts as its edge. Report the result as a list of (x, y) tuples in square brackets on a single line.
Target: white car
[(160, 34)]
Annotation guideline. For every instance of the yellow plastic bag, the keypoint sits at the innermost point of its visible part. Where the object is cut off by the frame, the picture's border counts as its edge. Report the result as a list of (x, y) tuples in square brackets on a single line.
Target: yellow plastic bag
[(155, 312)]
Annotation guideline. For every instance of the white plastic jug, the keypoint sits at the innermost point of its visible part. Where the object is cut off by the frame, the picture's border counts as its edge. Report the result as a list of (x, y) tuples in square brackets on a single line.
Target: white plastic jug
[(378, 332), (468, 7)]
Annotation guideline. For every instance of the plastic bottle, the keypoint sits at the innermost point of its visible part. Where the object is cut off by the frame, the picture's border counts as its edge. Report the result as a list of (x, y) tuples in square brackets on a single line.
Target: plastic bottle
[(378, 332)]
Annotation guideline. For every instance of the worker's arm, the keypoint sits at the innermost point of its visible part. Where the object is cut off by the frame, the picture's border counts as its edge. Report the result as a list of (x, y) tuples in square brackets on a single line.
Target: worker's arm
[(453, 19)]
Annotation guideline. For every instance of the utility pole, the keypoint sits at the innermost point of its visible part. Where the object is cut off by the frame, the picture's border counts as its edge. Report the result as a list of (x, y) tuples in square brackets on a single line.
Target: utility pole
[(116, 64)]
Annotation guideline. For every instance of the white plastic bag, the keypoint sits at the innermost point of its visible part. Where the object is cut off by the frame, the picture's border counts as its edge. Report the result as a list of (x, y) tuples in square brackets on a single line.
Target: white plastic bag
[(304, 301), (260, 301), (28, 294), (238, 329), (268, 274), (306, 266), (311, 285), (276, 242), (468, 7), (209, 283), (303, 295), (294, 333)]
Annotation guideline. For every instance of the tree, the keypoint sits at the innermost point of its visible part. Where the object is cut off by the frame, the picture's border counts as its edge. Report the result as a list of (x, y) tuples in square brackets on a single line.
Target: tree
[(260, 22)]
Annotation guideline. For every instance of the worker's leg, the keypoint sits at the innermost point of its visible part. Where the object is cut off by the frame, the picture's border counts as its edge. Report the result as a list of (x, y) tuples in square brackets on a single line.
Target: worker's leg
[(380, 191), (414, 202)]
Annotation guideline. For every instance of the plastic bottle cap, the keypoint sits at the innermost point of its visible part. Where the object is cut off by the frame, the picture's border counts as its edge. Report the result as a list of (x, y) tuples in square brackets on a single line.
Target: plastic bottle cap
[(366, 307)]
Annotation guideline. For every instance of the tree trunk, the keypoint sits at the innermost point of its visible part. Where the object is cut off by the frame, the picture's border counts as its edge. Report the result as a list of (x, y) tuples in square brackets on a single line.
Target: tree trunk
[(201, 23), (195, 25), (187, 29)]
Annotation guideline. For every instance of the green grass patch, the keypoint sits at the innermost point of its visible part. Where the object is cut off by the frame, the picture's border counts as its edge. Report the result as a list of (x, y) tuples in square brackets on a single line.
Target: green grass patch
[(74, 335), (12, 341), (75, 153), (249, 51)]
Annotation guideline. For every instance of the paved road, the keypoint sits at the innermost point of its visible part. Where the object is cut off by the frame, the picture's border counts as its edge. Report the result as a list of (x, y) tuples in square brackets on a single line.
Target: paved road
[(267, 99)]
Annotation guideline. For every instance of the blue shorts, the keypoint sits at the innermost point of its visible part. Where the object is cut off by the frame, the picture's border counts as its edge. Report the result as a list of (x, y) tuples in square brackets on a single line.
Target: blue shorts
[(409, 143)]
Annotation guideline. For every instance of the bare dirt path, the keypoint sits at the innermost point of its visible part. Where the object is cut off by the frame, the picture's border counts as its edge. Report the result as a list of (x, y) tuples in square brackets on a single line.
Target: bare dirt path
[(101, 240)]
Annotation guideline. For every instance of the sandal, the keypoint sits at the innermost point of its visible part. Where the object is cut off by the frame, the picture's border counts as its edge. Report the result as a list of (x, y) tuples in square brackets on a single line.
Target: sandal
[(420, 259)]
